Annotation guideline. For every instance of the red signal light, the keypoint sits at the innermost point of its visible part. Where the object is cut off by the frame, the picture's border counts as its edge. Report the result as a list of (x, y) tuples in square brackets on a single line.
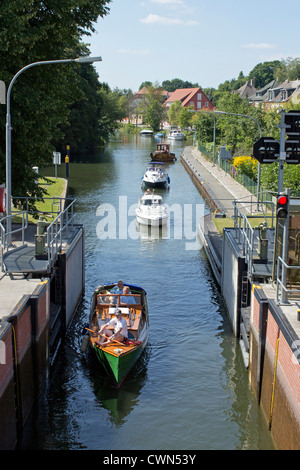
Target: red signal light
[(282, 200), (282, 206)]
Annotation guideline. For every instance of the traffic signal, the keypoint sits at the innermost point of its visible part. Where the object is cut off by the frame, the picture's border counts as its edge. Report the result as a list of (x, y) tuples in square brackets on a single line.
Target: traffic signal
[(282, 208), (266, 150)]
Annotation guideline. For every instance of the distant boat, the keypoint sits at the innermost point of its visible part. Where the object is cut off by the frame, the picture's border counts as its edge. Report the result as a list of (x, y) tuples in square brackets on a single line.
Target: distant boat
[(155, 176), (176, 135), (160, 135), (163, 154), (151, 210), (146, 133)]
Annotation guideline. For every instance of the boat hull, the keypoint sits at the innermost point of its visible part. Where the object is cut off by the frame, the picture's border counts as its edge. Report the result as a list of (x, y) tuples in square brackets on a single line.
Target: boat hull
[(155, 184), (163, 157), (118, 367), (151, 222)]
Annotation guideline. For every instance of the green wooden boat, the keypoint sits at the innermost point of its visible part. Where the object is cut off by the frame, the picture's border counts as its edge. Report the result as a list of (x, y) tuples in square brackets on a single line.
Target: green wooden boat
[(119, 358)]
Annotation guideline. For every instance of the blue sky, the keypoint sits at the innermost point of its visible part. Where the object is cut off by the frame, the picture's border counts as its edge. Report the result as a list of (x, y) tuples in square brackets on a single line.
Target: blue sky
[(202, 41)]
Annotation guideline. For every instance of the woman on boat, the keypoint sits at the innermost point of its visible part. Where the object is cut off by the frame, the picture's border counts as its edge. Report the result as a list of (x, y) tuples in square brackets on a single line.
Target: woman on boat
[(120, 332)]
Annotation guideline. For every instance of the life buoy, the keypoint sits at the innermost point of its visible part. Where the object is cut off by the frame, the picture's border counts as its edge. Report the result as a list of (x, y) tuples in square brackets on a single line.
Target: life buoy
[(2, 199)]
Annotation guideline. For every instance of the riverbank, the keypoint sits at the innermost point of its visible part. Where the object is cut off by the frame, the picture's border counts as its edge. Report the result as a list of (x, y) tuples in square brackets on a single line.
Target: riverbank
[(269, 333)]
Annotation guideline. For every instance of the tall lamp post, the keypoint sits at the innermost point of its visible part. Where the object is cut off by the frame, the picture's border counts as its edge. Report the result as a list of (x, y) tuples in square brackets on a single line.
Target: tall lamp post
[(8, 127), (260, 135)]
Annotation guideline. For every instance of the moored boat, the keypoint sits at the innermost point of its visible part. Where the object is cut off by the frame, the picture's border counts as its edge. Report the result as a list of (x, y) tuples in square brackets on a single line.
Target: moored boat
[(146, 133), (118, 358), (163, 154), (155, 176), (151, 210)]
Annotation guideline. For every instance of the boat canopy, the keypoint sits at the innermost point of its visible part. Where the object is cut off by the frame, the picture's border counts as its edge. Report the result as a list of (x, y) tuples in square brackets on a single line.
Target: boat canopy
[(156, 163)]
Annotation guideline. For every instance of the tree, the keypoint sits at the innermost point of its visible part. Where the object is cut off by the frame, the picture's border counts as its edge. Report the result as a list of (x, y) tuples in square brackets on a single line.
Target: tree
[(288, 69), (172, 85), (263, 73), (152, 107), (185, 117), (174, 112)]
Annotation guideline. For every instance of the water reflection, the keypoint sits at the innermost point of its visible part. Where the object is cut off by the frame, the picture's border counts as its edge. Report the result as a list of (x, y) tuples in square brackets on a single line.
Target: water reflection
[(119, 402)]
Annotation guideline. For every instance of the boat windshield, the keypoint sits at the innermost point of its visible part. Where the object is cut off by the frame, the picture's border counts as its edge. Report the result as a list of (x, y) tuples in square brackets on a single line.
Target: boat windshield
[(150, 202)]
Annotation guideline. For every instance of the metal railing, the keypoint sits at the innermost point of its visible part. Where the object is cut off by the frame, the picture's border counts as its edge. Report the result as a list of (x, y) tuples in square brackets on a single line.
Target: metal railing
[(56, 231), (282, 291), (4, 233)]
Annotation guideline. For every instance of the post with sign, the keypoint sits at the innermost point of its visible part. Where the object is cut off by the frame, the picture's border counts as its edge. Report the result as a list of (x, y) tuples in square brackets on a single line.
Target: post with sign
[(56, 161), (67, 160)]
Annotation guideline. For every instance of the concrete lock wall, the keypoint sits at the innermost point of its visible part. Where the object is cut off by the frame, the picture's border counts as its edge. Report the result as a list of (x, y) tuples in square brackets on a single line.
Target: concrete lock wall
[(275, 370), (232, 270), (22, 377), (75, 280)]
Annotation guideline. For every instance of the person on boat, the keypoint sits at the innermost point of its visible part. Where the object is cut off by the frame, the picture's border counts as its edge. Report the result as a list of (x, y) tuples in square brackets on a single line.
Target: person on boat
[(127, 298), (120, 332), (118, 289)]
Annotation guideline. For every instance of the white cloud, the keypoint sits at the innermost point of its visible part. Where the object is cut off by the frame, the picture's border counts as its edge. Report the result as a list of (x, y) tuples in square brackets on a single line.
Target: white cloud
[(156, 19), (259, 46)]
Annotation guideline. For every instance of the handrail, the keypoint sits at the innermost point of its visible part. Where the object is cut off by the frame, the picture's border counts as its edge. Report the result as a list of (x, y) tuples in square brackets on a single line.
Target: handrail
[(282, 268), (55, 231), (4, 234)]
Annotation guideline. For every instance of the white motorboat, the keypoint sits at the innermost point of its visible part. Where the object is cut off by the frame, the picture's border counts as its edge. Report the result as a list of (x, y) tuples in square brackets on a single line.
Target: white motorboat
[(146, 133), (151, 210), (176, 135), (156, 176)]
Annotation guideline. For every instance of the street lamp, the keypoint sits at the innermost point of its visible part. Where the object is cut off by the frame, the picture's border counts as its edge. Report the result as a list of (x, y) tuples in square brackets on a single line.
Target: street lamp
[(260, 135), (8, 127)]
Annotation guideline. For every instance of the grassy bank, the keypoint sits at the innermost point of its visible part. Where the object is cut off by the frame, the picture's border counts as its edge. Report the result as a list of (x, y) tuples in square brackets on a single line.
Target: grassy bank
[(55, 188), (227, 222)]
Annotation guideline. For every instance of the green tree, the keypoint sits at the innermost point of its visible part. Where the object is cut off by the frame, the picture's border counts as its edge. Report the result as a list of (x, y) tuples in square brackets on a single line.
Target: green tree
[(288, 69), (174, 112), (263, 73), (172, 85), (185, 117), (152, 107)]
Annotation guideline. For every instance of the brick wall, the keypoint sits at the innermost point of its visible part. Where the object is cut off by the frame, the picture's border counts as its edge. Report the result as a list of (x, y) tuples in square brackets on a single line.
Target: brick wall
[(8, 417), (277, 384)]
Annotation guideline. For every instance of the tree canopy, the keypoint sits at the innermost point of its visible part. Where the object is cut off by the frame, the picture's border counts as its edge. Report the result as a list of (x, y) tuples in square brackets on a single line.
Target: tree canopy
[(43, 96)]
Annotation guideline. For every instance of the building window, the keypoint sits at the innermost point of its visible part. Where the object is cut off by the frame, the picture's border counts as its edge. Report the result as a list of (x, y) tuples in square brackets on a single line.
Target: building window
[(199, 97), (206, 104), (198, 104), (191, 103)]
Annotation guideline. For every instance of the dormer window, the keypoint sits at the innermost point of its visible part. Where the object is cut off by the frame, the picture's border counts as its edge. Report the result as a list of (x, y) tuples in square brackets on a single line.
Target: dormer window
[(284, 95), (271, 95)]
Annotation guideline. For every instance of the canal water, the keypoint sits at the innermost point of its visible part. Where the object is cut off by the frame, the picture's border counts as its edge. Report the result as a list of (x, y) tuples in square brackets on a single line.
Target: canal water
[(190, 389)]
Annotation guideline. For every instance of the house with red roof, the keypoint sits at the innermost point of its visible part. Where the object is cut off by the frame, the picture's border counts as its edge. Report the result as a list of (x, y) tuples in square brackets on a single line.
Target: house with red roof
[(194, 97)]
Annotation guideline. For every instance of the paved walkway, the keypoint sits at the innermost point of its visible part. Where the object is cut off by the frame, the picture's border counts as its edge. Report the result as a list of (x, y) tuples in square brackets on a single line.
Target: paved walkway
[(220, 186)]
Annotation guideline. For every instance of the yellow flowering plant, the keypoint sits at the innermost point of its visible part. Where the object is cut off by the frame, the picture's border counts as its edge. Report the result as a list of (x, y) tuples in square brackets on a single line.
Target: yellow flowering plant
[(246, 165)]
